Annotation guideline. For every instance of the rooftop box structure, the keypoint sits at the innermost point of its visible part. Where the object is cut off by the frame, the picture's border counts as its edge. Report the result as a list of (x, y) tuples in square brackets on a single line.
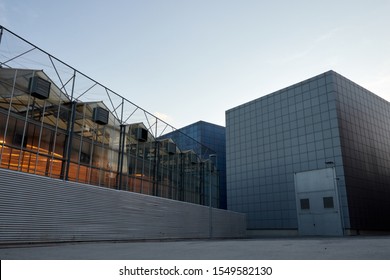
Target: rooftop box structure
[(141, 134), (39, 88), (100, 115)]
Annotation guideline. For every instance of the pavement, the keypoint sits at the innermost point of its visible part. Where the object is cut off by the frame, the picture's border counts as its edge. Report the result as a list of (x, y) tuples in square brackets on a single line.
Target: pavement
[(296, 248)]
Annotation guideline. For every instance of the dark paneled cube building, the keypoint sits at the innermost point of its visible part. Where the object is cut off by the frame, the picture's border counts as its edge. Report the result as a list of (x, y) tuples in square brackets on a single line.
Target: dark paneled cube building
[(313, 159)]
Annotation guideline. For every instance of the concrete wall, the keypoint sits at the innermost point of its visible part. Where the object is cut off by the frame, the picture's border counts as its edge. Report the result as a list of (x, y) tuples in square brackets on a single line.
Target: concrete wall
[(40, 209)]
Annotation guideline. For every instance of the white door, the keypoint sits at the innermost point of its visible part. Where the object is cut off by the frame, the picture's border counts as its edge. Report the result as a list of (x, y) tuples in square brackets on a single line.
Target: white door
[(317, 203)]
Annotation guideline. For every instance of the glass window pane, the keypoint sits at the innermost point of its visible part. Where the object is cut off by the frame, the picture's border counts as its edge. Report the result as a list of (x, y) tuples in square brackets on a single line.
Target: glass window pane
[(305, 204), (328, 202)]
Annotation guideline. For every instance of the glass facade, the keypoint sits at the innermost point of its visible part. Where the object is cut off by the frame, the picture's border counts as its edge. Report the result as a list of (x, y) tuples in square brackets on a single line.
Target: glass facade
[(326, 121), (214, 138), (51, 125)]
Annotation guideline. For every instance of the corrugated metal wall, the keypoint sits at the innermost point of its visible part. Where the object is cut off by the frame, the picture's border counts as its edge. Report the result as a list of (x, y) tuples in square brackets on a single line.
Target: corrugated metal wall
[(40, 209)]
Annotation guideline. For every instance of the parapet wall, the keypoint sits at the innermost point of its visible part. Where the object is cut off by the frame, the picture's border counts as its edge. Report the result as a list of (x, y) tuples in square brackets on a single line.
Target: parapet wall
[(40, 209)]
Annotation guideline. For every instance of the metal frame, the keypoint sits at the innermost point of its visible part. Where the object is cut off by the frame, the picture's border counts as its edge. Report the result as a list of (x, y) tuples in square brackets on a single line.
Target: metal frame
[(80, 88)]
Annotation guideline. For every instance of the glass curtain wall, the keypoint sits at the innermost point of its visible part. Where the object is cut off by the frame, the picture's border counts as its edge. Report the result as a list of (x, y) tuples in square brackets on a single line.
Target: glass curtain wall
[(51, 125), (35, 134)]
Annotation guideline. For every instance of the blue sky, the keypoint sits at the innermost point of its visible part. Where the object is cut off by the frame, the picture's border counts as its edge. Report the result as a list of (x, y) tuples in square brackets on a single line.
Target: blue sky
[(192, 60)]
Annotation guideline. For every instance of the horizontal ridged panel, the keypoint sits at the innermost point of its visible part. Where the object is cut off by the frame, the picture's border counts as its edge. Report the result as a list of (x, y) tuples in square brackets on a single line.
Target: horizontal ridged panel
[(40, 209)]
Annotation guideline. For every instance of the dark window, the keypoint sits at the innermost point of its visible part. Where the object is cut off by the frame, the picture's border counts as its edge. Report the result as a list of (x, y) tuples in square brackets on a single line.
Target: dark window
[(305, 204), (328, 202)]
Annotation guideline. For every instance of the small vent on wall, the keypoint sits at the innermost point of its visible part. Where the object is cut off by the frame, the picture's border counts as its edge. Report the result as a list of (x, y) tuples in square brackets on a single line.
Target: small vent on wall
[(305, 204), (39, 87), (100, 115), (328, 202)]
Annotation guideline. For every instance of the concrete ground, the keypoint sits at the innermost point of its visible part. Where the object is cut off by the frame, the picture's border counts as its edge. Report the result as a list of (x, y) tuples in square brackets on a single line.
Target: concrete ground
[(316, 248)]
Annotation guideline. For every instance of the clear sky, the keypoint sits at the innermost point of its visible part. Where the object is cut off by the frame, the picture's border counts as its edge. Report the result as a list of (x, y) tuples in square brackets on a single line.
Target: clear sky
[(191, 60)]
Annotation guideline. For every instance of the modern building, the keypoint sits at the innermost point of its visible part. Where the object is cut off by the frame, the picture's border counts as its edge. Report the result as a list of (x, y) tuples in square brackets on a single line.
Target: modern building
[(213, 137), (44, 132), (312, 158), (79, 162)]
